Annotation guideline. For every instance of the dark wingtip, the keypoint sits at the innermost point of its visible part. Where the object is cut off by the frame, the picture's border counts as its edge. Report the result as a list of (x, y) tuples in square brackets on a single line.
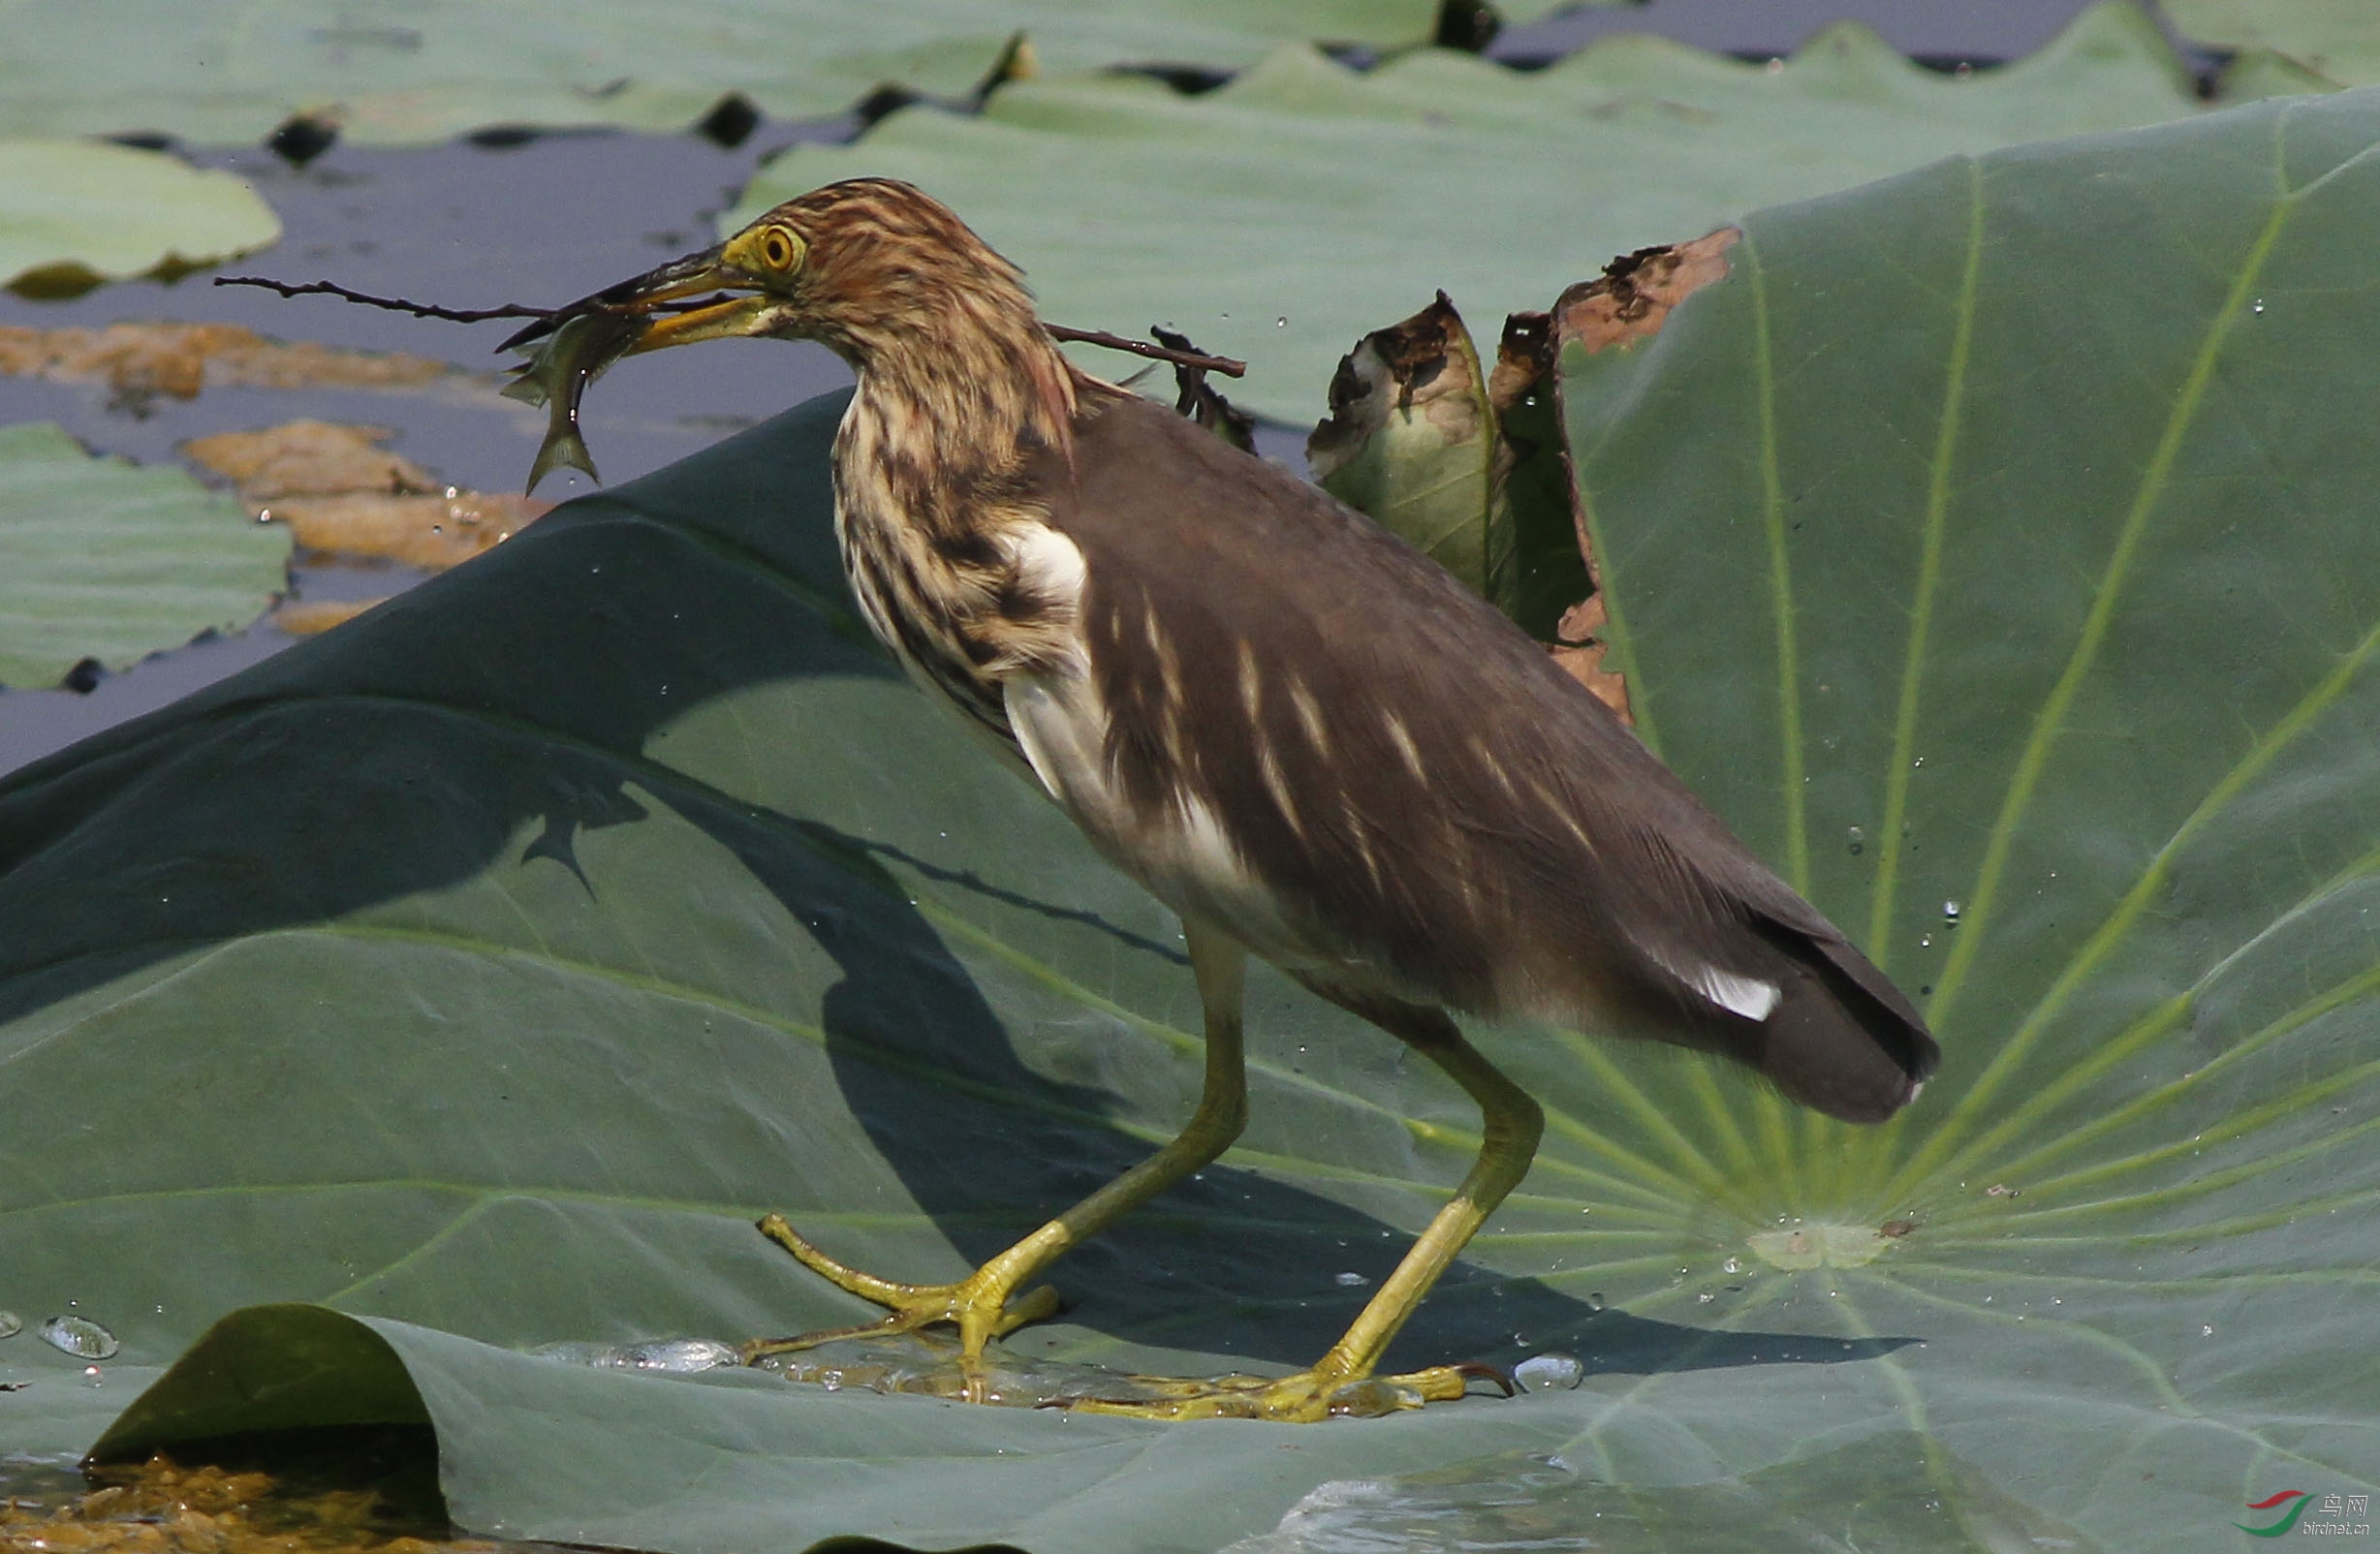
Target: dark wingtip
[(1845, 1040)]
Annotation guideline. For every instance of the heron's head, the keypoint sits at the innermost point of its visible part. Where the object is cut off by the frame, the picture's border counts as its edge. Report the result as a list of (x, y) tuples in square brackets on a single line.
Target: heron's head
[(870, 268)]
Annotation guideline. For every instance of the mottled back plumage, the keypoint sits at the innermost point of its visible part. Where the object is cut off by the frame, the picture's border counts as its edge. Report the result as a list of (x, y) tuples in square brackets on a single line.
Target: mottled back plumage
[(1436, 812)]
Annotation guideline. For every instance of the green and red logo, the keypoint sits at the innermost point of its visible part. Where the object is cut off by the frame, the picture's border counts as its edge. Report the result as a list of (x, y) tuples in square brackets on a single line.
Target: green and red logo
[(2296, 1501)]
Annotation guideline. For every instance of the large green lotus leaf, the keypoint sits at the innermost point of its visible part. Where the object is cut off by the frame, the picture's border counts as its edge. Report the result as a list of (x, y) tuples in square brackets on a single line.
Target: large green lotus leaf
[(1283, 216), (74, 213), (2338, 38), (106, 561), (398, 72), (2021, 598), (490, 963), (480, 968)]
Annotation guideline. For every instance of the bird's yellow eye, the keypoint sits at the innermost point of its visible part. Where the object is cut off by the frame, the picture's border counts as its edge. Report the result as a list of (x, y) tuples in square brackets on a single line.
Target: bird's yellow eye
[(779, 249)]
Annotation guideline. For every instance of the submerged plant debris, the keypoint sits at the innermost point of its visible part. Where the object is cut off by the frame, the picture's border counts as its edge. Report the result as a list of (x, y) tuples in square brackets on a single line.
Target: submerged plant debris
[(163, 1507)]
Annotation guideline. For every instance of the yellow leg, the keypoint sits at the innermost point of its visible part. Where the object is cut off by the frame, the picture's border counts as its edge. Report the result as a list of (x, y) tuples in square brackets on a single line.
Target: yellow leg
[(980, 1304), (1342, 1380)]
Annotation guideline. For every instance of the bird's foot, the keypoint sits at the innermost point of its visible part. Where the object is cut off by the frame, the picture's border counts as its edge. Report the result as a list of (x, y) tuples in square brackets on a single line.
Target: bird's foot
[(978, 1305), (1300, 1399)]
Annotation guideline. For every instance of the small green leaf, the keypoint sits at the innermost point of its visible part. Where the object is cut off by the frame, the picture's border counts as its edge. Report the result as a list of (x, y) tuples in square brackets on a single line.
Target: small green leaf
[(103, 560), (75, 213)]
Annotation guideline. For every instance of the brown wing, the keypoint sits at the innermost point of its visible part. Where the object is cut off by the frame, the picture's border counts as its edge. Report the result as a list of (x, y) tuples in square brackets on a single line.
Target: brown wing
[(1408, 773)]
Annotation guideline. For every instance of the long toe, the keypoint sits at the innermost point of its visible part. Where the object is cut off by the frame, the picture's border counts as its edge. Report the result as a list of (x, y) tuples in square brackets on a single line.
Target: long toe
[(1301, 1399)]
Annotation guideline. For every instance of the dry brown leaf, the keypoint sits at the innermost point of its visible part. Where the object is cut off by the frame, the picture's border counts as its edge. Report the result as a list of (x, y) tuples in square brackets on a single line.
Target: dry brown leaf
[(179, 359), (343, 494), (1635, 293), (1580, 650), (309, 459), (429, 532), (313, 617)]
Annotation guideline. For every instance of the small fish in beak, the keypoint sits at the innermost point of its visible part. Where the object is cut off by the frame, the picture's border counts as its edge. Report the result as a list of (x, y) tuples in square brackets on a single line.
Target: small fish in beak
[(570, 347), (559, 367)]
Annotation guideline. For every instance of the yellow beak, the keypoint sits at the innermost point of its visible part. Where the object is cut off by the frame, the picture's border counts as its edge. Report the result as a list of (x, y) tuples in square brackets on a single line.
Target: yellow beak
[(651, 295)]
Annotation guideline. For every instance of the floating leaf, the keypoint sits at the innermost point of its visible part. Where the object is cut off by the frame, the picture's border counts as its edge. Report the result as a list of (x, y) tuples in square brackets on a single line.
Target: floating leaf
[(103, 560), (208, 71), (1281, 217), (75, 213)]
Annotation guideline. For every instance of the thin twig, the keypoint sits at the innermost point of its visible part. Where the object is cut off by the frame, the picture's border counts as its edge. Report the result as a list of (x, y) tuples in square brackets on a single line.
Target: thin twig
[(1225, 365), (420, 310)]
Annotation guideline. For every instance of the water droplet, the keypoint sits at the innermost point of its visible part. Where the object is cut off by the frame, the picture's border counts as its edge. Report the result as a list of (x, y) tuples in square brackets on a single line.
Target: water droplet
[(11, 1325), (1704, 1298), (1925, 942), (2206, 1331), (453, 491), (1950, 912), (1551, 1372), (1280, 323), (1733, 1265), (1594, 1300), (80, 1337), (677, 1355), (1776, 66), (2257, 306), (1858, 839), (1918, 762), (1350, 1279), (437, 528)]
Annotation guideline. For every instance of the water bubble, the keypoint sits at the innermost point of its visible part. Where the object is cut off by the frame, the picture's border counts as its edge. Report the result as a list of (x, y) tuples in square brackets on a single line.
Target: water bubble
[(2206, 1330), (1350, 1279), (1595, 1301), (1918, 762), (1858, 841), (1551, 1372), (1733, 1265), (1950, 912), (577, 1354), (1374, 1398), (678, 1356), (1704, 1298), (2257, 306), (1280, 322), (11, 1325), (80, 1337), (1925, 942)]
